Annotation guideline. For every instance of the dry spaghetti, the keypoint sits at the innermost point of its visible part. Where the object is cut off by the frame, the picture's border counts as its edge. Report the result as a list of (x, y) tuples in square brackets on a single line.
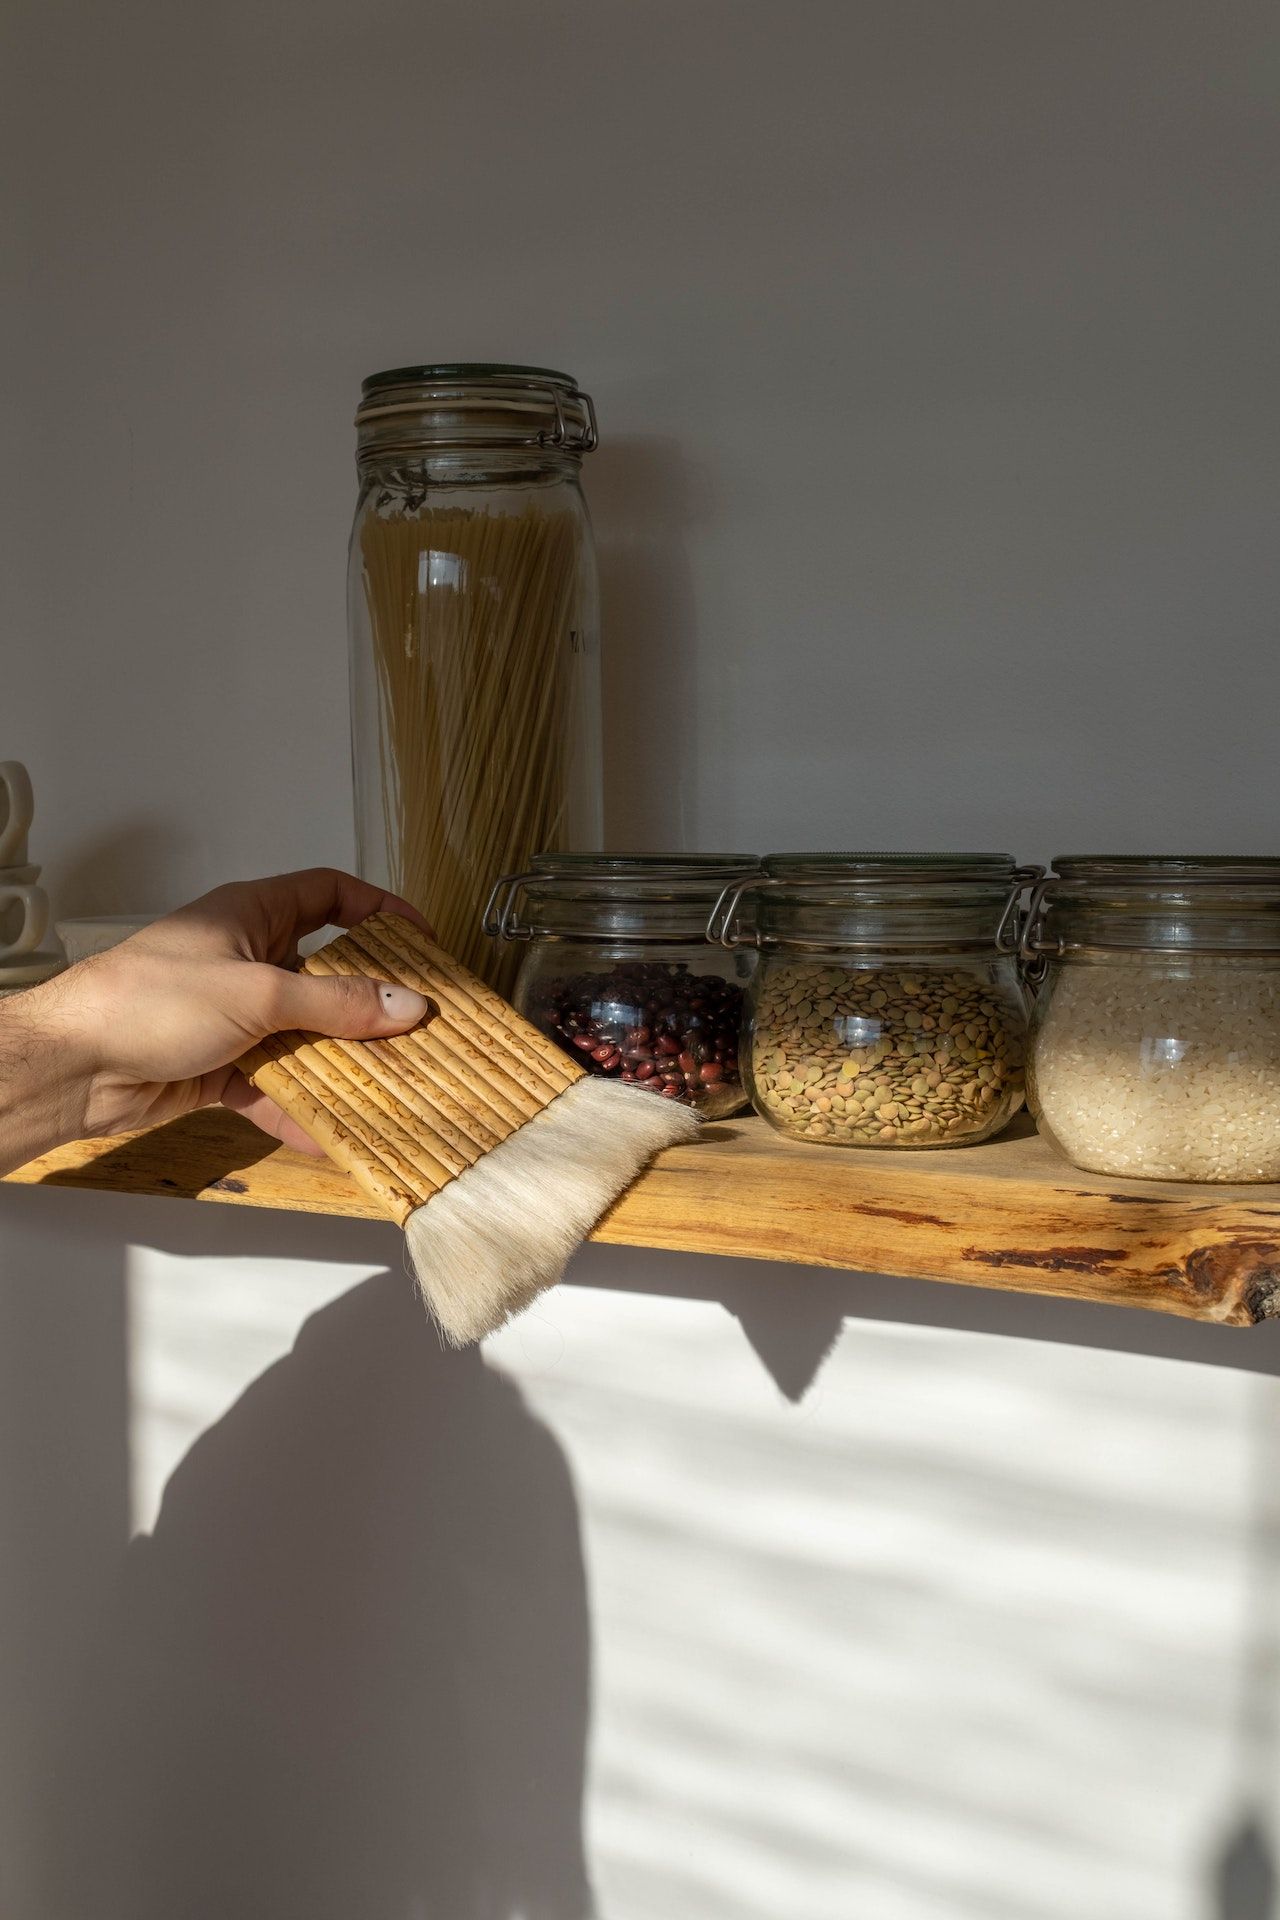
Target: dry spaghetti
[(472, 615)]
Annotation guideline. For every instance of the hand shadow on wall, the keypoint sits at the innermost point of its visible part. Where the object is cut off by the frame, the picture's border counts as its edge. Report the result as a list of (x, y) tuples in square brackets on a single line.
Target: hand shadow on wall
[(348, 1673)]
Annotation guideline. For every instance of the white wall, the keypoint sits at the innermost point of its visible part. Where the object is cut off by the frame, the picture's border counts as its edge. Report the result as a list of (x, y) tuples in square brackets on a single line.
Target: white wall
[(932, 347)]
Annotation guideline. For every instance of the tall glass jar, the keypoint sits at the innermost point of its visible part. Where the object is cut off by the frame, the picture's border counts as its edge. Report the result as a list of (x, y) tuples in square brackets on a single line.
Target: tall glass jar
[(473, 610), (1156, 1034), (618, 970), (886, 1009)]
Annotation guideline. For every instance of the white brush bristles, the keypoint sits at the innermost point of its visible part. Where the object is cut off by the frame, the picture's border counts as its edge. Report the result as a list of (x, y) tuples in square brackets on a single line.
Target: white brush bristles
[(503, 1231)]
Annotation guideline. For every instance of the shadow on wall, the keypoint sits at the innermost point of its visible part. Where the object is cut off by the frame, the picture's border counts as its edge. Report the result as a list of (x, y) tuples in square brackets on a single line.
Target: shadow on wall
[(643, 500), (64, 1494), (348, 1673), (1245, 1877), (792, 1316)]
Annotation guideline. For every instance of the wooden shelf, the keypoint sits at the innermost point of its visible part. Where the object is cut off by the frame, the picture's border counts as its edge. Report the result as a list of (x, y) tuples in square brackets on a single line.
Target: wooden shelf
[(1011, 1214)]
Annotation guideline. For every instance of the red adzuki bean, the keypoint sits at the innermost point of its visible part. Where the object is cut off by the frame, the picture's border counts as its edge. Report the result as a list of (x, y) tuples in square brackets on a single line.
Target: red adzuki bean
[(653, 1024)]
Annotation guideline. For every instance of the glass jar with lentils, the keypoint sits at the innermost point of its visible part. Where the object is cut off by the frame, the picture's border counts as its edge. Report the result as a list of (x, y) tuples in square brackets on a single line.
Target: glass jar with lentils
[(886, 1009), (619, 971)]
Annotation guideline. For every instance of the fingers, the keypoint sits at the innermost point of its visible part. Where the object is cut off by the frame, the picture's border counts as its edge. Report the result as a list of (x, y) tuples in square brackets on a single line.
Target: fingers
[(393, 903), (324, 896), (243, 1098), (265, 919), (347, 1008), (343, 1009)]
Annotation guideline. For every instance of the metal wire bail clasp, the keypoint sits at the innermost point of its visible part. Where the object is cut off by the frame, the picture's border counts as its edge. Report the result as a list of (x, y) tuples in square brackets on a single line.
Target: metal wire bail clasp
[(1034, 951), (1009, 933), (589, 438), (499, 919), (722, 926)]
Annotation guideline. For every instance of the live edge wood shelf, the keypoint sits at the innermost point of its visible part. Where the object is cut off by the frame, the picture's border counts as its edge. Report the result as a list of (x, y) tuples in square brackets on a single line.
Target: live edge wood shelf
[(1011, 1214)]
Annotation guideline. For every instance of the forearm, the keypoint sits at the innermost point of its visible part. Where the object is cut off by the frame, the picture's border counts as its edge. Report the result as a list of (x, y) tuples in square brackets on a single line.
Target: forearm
[(44, 1078)]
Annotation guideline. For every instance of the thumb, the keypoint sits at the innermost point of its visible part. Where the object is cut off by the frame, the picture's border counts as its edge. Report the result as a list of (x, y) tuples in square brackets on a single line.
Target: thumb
[(346, 1008)]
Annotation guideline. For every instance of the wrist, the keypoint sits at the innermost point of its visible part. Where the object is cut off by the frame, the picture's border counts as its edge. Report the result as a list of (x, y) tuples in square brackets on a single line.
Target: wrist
[(46, 1072)]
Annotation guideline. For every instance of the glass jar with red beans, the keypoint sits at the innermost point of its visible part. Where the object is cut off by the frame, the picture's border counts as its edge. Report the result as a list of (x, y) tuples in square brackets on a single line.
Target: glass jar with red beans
[(620, 973)]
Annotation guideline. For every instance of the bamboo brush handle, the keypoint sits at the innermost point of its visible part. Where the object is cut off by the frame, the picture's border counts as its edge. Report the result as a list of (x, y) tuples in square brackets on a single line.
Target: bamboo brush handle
[(406, 1115)]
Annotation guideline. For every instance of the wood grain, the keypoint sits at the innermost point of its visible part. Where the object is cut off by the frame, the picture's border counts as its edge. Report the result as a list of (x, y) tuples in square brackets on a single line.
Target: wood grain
[(1009, 1214)]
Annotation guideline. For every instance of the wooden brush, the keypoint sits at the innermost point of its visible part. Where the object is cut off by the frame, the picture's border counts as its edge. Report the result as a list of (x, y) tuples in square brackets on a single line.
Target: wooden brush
[(493, 1149)]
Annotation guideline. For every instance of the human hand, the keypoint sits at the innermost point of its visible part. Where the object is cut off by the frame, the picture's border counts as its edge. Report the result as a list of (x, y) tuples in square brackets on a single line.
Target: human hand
[(151, 1029)]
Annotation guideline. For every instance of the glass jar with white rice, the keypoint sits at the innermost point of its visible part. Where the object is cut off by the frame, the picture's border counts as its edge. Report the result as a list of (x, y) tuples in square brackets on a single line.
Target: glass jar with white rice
[(1155, 1041)]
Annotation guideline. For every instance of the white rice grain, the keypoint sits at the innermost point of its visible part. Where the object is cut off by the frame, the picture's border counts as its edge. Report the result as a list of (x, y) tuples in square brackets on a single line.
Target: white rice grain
[(1162, 1072)]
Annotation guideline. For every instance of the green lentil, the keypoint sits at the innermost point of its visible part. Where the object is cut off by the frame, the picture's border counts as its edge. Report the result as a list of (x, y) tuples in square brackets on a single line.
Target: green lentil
[(940, 1060)]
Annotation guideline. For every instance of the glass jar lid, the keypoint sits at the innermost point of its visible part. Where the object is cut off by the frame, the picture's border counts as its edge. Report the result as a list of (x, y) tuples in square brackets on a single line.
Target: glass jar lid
[(913, 866), (918, 902), (1156, 903), (650, 897), (473, 404)]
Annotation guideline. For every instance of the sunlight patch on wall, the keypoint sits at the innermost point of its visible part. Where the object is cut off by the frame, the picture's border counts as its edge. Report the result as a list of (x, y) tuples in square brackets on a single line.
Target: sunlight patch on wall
[(200, 1332), (960, 1634)]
